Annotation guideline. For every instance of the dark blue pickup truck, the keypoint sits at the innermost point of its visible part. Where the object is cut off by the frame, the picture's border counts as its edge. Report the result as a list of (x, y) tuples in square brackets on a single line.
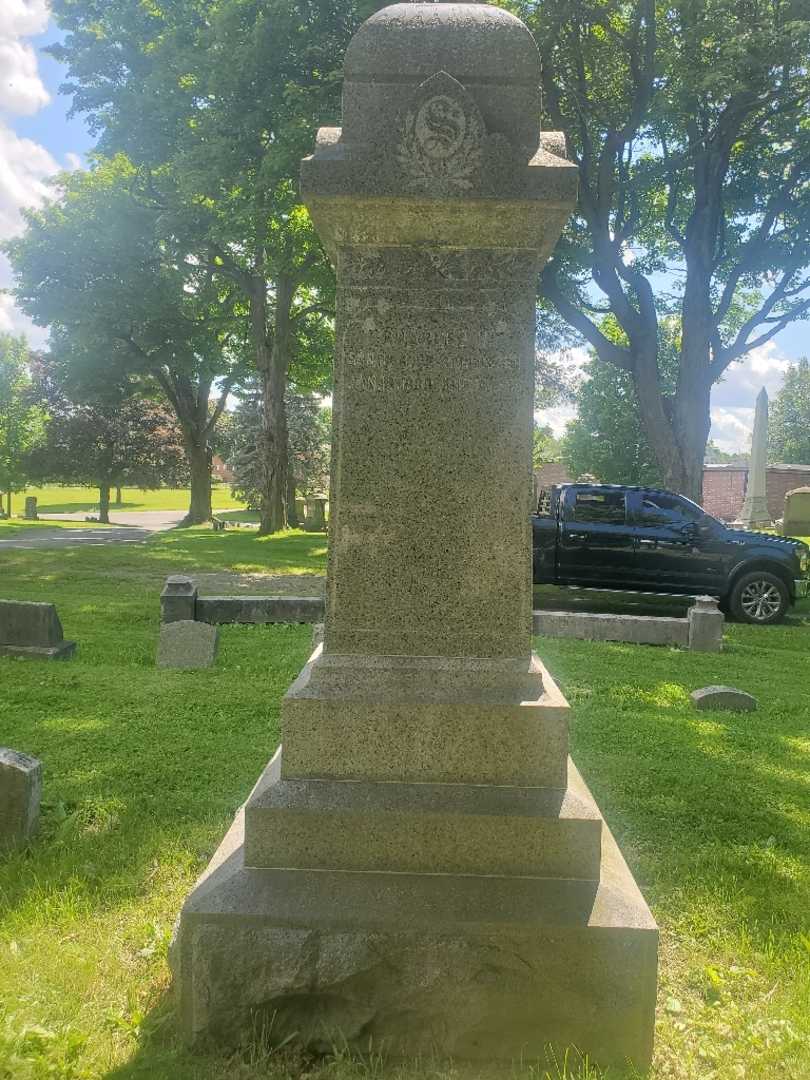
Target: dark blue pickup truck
[(610, 537)]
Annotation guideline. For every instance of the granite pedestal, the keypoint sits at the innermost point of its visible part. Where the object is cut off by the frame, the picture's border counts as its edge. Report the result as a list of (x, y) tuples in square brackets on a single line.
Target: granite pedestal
[(421, 869)]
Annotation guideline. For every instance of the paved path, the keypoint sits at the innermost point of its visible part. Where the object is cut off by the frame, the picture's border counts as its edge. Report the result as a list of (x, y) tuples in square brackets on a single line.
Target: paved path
[(127, 528)]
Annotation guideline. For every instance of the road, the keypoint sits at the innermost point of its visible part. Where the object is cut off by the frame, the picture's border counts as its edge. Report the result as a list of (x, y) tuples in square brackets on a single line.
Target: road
[(126, 528)]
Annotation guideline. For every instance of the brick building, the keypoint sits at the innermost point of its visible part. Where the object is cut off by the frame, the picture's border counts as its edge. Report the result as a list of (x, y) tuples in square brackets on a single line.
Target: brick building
[(724, 488)]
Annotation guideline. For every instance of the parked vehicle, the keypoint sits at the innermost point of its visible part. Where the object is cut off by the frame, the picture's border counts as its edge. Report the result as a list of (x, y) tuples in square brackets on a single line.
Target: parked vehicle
[(630, 538)]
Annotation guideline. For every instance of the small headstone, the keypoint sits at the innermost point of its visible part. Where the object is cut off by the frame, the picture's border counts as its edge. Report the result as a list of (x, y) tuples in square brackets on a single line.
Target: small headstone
[(315, 515), (178, 601), (796, 520), (723, 697), (31, 508), (706, 622), (32, 630), (187, 644), (20, 789)]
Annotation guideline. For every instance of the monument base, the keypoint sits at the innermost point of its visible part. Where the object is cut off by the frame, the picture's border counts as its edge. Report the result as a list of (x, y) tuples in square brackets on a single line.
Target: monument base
[(479, 968)]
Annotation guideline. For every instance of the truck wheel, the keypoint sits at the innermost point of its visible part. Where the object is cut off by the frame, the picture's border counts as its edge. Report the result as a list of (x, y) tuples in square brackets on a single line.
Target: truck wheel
[(760, 598)]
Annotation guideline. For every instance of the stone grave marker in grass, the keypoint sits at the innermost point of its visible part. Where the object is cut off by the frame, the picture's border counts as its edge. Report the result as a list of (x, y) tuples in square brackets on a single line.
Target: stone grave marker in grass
[(32, 631), (20, 788), (421, 869)]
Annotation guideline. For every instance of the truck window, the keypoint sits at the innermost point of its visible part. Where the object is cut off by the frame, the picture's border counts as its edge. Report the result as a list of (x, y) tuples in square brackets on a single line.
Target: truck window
[(602, 507), (660, 509)]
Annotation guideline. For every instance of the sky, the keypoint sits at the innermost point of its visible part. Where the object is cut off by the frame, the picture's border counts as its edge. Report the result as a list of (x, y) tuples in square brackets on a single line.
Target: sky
[(37, 140)]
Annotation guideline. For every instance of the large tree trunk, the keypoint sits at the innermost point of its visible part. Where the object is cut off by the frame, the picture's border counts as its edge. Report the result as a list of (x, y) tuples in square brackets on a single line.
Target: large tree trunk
[(104, 503), (272, 361), (199, 460), (118, 499), (8, 503)]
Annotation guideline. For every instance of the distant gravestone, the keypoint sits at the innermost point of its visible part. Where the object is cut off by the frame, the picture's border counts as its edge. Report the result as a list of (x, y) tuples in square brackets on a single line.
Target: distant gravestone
[(31, 508), (315, 515), (796, 520), (723, 697), (187, 644), (20, 789), (32, 630)]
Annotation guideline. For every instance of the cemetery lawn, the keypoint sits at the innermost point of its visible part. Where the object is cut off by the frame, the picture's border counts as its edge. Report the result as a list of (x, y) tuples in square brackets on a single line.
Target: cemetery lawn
[(55, 499), (144, 770)]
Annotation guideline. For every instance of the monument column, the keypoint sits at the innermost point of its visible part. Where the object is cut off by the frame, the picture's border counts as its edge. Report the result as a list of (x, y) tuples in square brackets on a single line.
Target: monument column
[(421, 867), (755, 512)]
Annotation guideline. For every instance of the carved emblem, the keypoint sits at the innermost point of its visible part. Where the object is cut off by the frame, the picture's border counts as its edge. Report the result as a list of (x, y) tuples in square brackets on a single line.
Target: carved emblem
[(441, 138)]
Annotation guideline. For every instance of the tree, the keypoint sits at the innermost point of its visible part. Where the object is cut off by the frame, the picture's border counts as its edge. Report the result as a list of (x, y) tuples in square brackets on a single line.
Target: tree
[(218, 105), (715, 456), (94, 266), (688, 124), (310, 434), (607, 440), (545, 447), (119, 439), (22, 419), (789, 419)]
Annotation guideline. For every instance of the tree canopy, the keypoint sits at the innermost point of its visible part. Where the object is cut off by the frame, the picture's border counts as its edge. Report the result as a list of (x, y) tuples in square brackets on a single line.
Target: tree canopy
[(22, 418), (217, 105), (94, 265), (789, 418), (689, 123)]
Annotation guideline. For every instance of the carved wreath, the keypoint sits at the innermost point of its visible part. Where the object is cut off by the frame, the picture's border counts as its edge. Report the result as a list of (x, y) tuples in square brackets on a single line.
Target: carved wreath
[(440, 146)]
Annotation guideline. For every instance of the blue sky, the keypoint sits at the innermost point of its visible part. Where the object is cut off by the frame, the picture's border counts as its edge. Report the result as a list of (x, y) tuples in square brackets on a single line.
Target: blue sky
[(37, 139)]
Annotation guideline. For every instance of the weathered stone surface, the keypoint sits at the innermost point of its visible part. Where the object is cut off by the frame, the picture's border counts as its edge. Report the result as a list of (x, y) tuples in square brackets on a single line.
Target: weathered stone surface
[(723, 697), (421, 866), (31, 508), (314, 515), (706, 624), (588, 626), (796, 519), (259, 609), (479, 968), (317, 634), (24, 622), (32, 630), (187, 644), (20, 790), (178, 600)]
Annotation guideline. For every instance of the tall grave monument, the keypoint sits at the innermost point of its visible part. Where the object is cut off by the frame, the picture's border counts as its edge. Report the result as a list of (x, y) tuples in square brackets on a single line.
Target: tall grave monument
[(755, 512), (421, 868)]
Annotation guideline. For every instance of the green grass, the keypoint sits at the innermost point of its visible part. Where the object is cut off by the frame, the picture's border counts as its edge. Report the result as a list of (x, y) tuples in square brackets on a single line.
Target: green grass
[(55, 499), (145, 768)]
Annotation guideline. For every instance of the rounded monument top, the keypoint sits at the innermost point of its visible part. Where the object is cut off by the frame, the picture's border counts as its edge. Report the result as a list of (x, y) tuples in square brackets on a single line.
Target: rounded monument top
[(474, 42)]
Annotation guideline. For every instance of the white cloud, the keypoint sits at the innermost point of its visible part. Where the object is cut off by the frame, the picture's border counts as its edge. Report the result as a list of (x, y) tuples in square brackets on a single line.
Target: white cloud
[(555, 418), (21, 18), (21, 89), (73, 161), (733, 398)]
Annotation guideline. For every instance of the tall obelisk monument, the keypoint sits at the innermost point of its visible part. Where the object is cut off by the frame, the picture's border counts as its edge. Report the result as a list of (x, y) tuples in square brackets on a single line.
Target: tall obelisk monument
[(755, 513), (421, 868)]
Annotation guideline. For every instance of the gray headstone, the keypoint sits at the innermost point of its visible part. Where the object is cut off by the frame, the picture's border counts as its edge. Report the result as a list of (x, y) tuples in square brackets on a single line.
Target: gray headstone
[(20, 789), (187, 644), (706, 623), (723, 697), (796, 519), (178, 600), (31, 508), (32, 630)]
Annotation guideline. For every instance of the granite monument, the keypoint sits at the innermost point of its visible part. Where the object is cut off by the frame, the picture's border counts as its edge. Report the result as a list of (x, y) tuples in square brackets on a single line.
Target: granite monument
[(421, 869), (755, 513)]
